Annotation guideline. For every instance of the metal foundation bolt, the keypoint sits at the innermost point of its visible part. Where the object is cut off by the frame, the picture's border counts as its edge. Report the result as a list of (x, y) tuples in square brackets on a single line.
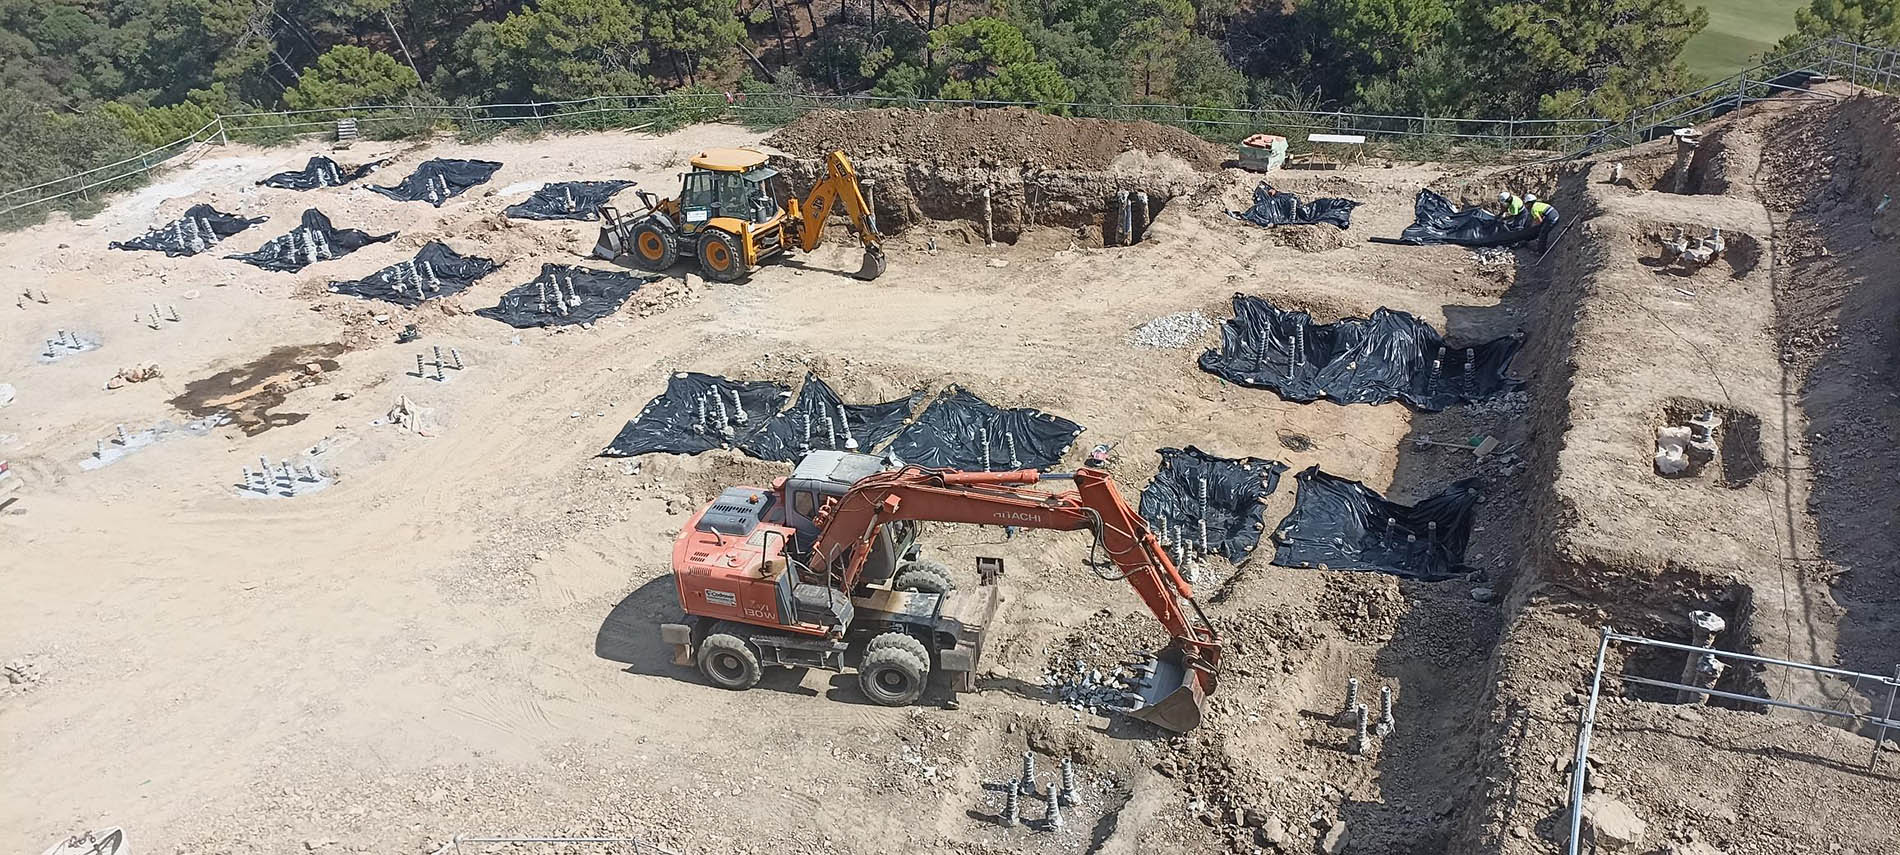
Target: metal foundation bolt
[(1012, 806), (1352, 696), (1361, 739), (457, 356), (1386, 721), (1053, 819), (1027, 784)]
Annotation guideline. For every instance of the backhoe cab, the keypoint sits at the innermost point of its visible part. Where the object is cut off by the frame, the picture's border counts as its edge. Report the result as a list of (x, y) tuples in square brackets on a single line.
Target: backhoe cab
[(728, 217)]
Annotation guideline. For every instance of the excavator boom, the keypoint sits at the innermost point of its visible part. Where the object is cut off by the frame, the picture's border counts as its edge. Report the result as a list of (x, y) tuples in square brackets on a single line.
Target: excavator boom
[(1168, 689), (840, 188)]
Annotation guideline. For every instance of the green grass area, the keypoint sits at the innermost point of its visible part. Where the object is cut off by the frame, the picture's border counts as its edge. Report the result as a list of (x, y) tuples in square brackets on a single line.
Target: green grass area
[(1737, 31)]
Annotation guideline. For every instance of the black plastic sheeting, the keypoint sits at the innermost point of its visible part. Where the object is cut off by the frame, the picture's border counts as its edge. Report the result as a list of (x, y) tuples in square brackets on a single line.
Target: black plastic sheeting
[(437, 181), (568, 200), (564, 294), (1341, 524), (960, 431), (1435, 222), (320, 172), (200, 229), (698, 412), (821, 420), (1388, 356), (1279, 208), (314, 240), (436, 271), (1194, 486)]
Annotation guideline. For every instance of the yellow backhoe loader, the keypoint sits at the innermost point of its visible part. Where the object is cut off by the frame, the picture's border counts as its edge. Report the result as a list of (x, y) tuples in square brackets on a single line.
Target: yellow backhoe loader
[(728, 217)]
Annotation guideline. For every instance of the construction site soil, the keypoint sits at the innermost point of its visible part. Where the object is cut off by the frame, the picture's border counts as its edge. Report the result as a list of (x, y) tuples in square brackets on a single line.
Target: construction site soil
[(459, 635)]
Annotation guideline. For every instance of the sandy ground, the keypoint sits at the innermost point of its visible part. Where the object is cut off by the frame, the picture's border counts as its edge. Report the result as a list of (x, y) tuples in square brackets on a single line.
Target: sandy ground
[(458, 635)]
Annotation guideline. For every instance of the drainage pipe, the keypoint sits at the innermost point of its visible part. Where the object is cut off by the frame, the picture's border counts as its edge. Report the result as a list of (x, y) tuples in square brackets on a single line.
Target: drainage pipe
[(1687, 141), (989, 226)]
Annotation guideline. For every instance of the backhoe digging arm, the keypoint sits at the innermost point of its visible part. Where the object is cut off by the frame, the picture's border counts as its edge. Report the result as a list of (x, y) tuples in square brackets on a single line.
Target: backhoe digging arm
[(1173, 687), (840, 187)]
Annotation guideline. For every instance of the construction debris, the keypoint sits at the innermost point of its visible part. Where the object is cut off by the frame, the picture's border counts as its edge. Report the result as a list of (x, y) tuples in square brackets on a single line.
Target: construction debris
[(136, 374), (1177, 331)]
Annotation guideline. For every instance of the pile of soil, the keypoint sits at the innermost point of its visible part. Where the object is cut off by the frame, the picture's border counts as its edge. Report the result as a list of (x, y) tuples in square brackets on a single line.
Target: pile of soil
[(990, 138)]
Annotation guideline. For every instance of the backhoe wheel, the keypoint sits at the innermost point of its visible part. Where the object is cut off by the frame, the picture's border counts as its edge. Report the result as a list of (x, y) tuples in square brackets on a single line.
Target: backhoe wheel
[(898, 641), (893, 676), (728, 661), (926, 576), (719, 256), (654, 247)]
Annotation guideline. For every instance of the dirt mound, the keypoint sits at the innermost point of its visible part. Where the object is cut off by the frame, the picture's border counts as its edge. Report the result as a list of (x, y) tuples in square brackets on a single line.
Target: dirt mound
[(990, 138)]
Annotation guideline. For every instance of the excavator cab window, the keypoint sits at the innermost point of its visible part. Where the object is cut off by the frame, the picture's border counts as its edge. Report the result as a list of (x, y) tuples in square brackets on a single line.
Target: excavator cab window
[(696, 199)]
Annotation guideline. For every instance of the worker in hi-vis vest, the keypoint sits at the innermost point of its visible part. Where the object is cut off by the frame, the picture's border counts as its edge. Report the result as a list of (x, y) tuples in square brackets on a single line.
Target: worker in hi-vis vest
[(1543, 218)]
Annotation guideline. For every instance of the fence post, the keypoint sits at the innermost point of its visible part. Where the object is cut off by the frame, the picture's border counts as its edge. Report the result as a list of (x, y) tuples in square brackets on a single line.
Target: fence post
[(223, 138)]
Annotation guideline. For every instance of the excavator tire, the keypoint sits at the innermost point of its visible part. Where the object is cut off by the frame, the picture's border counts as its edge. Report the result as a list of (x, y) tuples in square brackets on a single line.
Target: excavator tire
[(893, 676), (926, 576), (654, 247), (719, 257), (728, 661), (899, 641)]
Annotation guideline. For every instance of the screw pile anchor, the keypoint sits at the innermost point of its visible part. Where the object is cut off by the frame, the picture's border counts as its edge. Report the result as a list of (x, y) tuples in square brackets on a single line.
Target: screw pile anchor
[(1069, 795), (1027, 784)]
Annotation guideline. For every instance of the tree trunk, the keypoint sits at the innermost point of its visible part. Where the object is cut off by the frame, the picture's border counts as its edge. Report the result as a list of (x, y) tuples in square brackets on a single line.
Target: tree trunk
[(778, 26), (812, 17), (873, 14)]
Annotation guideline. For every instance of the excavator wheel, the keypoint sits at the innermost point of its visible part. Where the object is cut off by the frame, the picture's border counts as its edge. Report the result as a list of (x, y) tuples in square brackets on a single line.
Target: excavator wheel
[(893, 676), (728, 661), (654, 248), (899, 641), (926, 576), (719, 257)]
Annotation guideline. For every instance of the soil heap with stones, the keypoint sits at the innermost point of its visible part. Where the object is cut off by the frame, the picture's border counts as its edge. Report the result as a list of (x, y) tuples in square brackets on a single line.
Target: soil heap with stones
[(1039, 170), (989, 139)]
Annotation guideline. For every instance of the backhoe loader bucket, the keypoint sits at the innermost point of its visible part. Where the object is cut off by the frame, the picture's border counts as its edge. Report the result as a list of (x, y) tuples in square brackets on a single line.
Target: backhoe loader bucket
[(608, 247), (873, 266), (1165, 692)]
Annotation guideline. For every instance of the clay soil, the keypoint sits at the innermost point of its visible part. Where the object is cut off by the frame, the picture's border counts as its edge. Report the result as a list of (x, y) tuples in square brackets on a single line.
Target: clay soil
[(459, 636)]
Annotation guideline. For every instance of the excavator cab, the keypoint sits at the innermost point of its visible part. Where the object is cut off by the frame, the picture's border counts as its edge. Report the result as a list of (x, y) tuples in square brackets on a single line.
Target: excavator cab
[(728, 217)]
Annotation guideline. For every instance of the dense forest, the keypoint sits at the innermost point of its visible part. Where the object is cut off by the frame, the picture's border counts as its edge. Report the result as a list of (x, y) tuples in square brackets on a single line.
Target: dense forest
[(82, 81)]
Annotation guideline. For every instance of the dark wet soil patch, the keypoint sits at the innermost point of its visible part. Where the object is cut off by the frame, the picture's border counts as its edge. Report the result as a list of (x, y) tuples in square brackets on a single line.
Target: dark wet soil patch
[(251, 392)]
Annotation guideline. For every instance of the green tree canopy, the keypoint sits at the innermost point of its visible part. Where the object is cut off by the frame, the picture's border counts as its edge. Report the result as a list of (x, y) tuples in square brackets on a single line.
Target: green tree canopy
[(1577, 58), (1869, 22), (347, 76), (989, 59)]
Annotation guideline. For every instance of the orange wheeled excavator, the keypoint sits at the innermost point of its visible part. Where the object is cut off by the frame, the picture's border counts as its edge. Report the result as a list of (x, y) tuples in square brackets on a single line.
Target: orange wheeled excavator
[(822, 571)]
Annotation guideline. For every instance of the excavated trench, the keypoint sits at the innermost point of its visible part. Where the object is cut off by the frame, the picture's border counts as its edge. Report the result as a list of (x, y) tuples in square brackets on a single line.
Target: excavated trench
[(1098, 208)]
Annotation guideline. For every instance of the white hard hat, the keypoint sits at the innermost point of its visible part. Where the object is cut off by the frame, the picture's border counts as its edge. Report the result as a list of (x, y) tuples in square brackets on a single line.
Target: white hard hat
[(1504, 195), (1530, 197)]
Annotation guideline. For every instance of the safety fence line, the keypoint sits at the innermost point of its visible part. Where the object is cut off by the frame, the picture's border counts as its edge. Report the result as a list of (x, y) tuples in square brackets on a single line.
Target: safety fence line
[(1869, 66), (634, 845), (1586, 726)]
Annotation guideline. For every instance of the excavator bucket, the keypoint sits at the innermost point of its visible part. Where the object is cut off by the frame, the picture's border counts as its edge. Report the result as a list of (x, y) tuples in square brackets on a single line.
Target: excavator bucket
[(1165, 692), (873, 266)]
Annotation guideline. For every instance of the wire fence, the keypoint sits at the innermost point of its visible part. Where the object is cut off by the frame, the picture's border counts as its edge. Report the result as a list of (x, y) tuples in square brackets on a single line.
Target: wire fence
[(1703, 660), (1780, 75)]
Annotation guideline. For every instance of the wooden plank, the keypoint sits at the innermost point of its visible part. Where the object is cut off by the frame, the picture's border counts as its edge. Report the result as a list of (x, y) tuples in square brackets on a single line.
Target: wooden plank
[(1351, 139)]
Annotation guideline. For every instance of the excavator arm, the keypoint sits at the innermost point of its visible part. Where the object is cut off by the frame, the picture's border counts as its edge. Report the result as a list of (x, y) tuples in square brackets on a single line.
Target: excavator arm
[(840, 188), (1168, 689)]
